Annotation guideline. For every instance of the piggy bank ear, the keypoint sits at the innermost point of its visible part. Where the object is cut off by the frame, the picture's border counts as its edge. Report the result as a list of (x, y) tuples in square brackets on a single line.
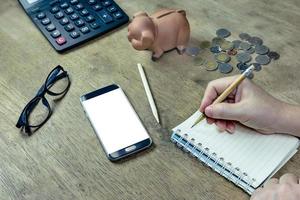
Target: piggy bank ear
[(140, 14), (147, 38)]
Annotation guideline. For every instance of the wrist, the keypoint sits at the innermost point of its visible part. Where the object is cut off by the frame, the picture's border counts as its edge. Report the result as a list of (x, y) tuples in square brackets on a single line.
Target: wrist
[(288, 119)]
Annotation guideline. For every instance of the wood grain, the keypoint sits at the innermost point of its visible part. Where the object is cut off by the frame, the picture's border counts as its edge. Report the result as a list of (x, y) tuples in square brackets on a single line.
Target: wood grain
[(64, 159)]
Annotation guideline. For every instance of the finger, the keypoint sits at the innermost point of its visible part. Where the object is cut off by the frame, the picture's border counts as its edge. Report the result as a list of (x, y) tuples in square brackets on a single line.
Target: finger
[(256, 193), (221, 124), (288, 178), (213, 89), (210, 120), (228, 111), (230, 126), (271, 182)]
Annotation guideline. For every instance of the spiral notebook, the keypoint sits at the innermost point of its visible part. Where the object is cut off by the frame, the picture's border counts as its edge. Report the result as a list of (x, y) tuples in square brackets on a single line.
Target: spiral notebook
[(245, 157)]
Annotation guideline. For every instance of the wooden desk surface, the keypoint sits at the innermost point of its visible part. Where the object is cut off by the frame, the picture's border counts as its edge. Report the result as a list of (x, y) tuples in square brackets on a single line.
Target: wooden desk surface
[(64, 160)]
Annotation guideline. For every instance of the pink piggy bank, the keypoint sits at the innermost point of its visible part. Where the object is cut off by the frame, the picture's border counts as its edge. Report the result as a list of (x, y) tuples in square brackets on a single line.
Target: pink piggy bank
[(164, 30)]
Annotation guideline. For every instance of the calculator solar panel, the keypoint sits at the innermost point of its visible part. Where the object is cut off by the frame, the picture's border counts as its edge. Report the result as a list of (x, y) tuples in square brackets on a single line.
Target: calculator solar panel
[(68, 23)]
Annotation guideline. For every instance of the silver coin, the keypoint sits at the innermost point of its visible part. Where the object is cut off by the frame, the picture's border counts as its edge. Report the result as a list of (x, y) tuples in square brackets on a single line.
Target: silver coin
[(274, 55), (257, 66), (250, 51), (262, 59), (192, 51), (250, 76), (217, 41), (243, 57), (244, 36), (256, 41), (223, 33), (245, 45), (261, 49), (225, 68), (236, 43), (242, 66)]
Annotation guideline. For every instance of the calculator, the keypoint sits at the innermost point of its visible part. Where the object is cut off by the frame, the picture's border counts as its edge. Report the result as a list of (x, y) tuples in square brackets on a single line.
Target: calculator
[(68, 23)]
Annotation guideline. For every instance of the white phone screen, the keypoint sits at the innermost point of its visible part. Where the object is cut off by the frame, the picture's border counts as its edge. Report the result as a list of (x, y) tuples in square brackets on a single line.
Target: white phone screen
[(114, 120)]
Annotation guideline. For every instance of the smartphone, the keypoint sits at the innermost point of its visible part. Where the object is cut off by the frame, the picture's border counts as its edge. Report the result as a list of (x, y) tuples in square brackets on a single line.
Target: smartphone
[(115, 122)]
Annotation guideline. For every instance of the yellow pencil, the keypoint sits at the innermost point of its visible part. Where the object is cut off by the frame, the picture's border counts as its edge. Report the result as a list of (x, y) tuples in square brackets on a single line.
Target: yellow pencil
[(225, 94)]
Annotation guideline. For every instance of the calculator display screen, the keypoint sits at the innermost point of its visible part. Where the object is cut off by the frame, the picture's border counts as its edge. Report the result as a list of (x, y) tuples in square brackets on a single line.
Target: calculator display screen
[(31, 1)]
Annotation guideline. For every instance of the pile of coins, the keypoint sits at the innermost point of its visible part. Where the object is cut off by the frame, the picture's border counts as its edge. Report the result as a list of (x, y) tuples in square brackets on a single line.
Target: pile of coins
[(243, 50)]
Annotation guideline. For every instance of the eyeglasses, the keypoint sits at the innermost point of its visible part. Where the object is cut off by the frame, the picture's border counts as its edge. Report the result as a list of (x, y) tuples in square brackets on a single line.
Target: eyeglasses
[(37, 112)]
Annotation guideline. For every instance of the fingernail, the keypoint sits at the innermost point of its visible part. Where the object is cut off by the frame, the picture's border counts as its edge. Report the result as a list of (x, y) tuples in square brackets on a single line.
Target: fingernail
[(208, 111)]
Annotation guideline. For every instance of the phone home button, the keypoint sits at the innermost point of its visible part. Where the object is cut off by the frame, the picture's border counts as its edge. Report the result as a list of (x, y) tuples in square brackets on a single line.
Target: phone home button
[(130, 148)]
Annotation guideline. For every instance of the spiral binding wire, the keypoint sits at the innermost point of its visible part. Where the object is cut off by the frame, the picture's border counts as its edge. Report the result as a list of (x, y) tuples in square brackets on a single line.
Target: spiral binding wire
[(227, 170)]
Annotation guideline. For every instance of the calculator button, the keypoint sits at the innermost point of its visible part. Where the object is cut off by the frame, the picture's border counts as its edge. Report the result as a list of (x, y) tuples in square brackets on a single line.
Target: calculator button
[(92, 2), (73, 2), (85, 29), (117, 15), (69, 11), (84, 12), (97, 7), (64, 5), (53, 2), (79, 6), (55, 34), (90, 18), (41, 15), (74, 16), (112, 9), (64, 21), (61, 40), (54, 10), (106, 3), (50, 27), (106, 18), (46, 21), (59, 15), (79, 23), (94, 25), (69, 27), (74, 34)]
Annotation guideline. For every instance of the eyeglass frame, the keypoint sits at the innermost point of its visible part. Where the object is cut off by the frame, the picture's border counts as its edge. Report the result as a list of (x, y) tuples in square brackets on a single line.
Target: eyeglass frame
[(52, 78)]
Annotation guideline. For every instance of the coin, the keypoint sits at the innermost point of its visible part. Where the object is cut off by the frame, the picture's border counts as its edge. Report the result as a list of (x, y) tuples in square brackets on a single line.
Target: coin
[(256, 41), (274, 55), (198, 61), (232, 52), (226, 45), (192, 51), (250, 51), (223, 33), (262, 59), (217, 41), (261, 49), (244, 36), (211, 65), (215, 49), (225, 68), (245, 45), (257, 66), (236, 43), (250, 75), (243, 57), (222, 57), (204, 44), (242, 66)]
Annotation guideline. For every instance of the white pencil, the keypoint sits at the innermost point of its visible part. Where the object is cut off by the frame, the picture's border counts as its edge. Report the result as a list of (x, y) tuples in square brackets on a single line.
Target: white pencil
[(148, 92)]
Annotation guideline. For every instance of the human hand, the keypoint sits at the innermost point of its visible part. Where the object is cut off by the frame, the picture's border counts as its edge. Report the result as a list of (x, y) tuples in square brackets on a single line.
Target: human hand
[(248, 104), (286, 188)]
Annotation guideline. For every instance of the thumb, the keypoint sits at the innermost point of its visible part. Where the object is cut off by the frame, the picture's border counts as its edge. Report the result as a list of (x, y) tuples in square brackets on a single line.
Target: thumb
[(228, 111)]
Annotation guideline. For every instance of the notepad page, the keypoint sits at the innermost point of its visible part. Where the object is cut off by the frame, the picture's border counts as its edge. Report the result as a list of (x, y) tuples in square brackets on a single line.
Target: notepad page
[(256, 154)]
